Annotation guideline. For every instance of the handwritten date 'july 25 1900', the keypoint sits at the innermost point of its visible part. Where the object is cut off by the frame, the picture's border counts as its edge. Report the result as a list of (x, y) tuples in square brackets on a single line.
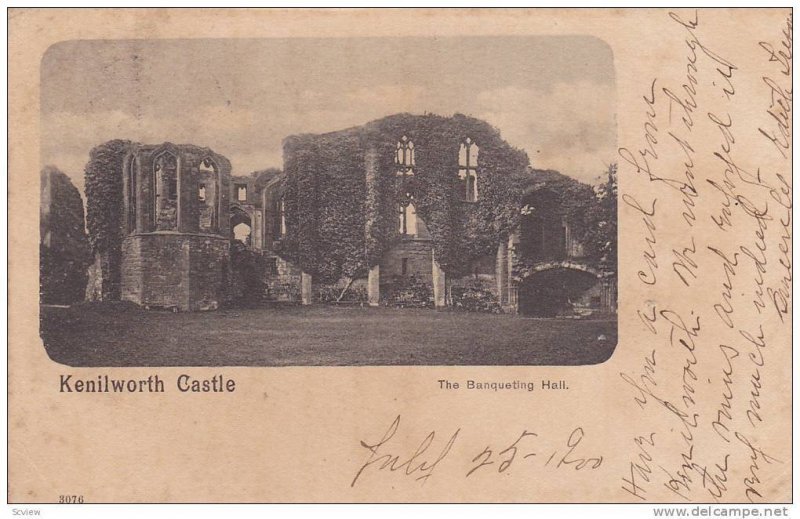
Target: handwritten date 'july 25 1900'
[(420, 463)]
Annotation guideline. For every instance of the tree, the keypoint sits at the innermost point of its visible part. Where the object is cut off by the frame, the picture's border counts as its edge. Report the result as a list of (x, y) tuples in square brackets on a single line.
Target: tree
[(64, 252), (600, 238)]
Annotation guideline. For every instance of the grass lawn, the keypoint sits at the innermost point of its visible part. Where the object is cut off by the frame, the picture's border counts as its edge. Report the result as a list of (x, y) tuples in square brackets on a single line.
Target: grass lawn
[(122, 334)]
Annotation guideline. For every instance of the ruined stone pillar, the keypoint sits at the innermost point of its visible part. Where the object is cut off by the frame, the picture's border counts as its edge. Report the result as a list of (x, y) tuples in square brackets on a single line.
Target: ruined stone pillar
[(439, 287), (501, 273), (257, 230), (374, 286), (306, 296), (513, 240)]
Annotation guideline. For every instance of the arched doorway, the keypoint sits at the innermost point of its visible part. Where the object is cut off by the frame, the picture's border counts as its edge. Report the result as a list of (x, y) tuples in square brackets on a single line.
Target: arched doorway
[(551, 291), (241, 225)]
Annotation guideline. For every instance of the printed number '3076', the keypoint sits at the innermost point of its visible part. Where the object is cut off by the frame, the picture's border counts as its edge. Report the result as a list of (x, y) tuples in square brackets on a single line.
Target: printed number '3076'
[(70, 499)]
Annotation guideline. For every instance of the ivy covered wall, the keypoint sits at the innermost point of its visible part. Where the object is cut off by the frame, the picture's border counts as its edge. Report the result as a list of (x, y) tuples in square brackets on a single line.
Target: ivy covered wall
[(105, 218), (64, 253), (590, 212), (342, 193), (121, 200)]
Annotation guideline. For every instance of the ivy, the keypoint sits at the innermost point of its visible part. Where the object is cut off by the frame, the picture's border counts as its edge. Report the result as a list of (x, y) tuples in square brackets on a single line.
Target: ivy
[(600, 236), (104, 208), (64, 252), (339, 225), (590, 211)]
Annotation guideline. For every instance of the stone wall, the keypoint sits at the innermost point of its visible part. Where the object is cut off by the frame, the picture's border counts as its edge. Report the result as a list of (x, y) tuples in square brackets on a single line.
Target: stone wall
[(208, 272), (283, 284), (417, 254), (601, 297), (177, 271)]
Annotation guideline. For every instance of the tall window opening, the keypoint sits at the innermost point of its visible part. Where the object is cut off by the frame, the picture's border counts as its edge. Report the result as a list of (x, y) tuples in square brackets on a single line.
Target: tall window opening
[(404, 158), (207, 189), (241, 192), (279, 219), (131, 186), (468, 169), (408, 216), (165, 168)]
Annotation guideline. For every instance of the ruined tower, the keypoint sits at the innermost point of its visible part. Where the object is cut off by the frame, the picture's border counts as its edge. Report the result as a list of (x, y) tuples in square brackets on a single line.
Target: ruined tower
[(175, 252)]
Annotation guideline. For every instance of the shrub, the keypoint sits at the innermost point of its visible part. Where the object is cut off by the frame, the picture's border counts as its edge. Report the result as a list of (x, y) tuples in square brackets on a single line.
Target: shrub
[(474, 297), (331, 293), (407, 292)]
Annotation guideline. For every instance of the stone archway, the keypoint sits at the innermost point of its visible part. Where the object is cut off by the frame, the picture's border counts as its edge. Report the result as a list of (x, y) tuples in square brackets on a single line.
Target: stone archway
[(241, 225), (550, 289)]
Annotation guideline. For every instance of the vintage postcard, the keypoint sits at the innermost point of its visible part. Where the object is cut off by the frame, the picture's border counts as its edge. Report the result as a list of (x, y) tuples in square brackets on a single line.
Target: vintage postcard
[(400, 255)]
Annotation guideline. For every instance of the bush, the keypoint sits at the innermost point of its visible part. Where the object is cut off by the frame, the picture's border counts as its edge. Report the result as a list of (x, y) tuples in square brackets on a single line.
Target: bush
[(474, 297), (331, 293), (407, 292)]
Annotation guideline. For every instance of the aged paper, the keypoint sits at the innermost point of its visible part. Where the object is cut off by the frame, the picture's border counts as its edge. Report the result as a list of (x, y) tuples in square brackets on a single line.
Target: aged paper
[(400, 255)]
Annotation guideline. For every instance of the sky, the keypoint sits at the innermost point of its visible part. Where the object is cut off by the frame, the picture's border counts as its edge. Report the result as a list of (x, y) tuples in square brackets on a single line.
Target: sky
[(552, 96)]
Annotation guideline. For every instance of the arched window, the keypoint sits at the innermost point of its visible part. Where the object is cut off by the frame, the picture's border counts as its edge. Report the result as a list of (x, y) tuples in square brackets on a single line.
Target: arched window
[(278, 220), (130, 190), (468, 169), (165, 168), (408, 216), (404, 157), (207, 189)]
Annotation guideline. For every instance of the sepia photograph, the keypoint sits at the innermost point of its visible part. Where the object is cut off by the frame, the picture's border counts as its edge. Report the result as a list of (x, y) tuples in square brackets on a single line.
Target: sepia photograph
[(348, 201), (400, 256)]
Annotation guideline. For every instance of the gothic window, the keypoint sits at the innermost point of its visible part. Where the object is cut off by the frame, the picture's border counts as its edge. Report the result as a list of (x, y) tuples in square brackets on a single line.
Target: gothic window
[(207, 189), (468, 169), (278, 221), (165, 168), (404, 157), (131, 193), (408, 216)]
